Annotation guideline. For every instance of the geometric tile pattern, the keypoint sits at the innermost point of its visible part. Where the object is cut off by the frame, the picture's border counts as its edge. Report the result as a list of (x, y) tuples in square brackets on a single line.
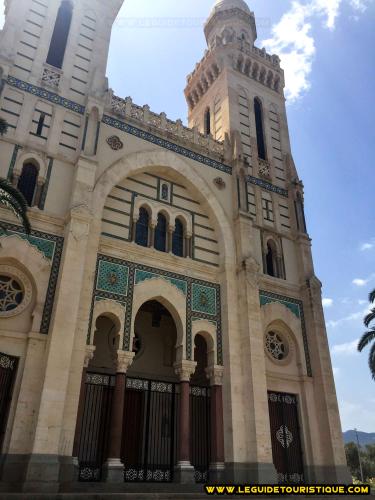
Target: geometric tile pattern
[(141, 276), (46, 94), (130, 129), (51, 246), (267, 185), (296, 306), (204, 300), (112, 278), (133, 273)]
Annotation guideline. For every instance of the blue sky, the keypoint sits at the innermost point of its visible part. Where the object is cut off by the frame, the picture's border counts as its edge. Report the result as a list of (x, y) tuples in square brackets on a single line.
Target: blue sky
[(327, 49)]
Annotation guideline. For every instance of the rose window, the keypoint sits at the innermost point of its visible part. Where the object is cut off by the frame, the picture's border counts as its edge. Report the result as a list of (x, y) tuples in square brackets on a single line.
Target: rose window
[(276, 346), (11, 294)]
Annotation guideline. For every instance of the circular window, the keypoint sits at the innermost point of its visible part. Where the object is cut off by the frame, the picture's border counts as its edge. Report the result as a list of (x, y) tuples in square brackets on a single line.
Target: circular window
[(15, 291), (276, 346)]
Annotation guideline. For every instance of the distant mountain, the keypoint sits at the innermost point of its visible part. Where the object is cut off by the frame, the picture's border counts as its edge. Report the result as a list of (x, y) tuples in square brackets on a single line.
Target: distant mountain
[(364, 437)]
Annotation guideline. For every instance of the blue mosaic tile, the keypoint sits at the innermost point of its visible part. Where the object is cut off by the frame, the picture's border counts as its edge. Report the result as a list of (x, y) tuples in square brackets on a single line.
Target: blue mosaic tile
[(112, 278), (267, 185), (265, 299), (204, 299), (46, 94), (113, 122), (45, 246), (146, 275)]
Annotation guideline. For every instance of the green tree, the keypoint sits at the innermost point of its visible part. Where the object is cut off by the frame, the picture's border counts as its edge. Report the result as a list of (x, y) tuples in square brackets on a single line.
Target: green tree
[(368, 338), (367, 459), (13, 199)]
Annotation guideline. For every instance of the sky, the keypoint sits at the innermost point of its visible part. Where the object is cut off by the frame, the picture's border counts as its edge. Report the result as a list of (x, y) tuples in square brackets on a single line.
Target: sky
[(327, 51)]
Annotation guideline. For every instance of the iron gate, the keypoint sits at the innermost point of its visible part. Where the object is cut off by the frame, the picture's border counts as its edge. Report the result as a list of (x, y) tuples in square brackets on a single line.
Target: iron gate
[(93, 441), (286, 440), (150, 430), (8, 371), (200, 432)]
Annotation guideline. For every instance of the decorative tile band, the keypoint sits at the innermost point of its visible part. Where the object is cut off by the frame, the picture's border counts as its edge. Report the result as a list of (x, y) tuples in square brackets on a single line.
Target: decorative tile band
[(267, 185), (296, 306), (141, 276), (147, 136), (51, 246), (137, 273), (45, 94)]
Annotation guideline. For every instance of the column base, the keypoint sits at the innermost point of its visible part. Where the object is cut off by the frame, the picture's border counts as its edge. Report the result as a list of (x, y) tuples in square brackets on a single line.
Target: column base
[(245, 473), (334, 474), (184, 473), (113, 471), (217, 473)]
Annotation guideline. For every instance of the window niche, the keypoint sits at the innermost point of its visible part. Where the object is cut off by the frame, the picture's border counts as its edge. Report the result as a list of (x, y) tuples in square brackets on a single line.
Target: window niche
[(60, 35), (273, 259)]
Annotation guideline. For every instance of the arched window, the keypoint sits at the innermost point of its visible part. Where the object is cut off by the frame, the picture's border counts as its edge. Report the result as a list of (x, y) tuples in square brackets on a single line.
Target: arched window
[(60, 35), (271, 261), (141, 229), (259, 129), (178, 239), (161, 234), (27, 182), (207, 121)]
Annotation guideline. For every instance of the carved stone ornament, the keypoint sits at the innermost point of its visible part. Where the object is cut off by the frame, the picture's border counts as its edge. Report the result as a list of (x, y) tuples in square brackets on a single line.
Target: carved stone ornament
[(89, 354), (215, 374), (15, 291), (115, 143), (185, 369), (124, 361), (220, 183)]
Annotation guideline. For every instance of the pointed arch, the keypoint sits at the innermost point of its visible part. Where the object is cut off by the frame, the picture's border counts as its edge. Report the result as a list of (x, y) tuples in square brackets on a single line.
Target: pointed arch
[(60, 34), (27, 181)]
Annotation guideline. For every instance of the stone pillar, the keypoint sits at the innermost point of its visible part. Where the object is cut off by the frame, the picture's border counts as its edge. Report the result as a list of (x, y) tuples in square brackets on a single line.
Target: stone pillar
[(170, 232), (114, 468), (188, 245), (151, 238), (38, 192), (184, 471), (215, 374), (90, 349)]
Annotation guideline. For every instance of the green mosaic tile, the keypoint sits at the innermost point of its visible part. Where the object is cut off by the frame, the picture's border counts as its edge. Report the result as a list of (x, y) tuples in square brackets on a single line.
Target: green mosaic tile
[(45, 246), (204, 299), (141, 276), (112, 278), (264, 300)]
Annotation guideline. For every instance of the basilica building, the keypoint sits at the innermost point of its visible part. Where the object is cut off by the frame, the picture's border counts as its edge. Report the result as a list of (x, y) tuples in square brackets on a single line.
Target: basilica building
[(163, 322)]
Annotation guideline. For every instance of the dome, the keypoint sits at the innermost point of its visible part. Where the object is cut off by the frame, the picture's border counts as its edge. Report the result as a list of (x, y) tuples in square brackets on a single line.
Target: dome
[(222, 5)]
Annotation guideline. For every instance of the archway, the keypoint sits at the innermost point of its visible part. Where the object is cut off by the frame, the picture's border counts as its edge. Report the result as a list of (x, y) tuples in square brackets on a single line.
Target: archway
[(150, 426)]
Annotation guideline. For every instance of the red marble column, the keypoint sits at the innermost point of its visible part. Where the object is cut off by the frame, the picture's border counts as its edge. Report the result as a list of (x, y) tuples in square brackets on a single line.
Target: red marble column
[(184, 444), (117, 416)]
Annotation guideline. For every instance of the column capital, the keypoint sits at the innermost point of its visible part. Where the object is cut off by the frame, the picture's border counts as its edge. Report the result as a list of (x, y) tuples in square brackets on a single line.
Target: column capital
[(124, 361), (89, 354), (185, 369), (215, 374)]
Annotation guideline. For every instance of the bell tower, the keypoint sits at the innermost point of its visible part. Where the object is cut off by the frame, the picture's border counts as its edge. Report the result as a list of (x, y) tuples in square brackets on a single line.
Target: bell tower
[(237, 90), (59, 44)]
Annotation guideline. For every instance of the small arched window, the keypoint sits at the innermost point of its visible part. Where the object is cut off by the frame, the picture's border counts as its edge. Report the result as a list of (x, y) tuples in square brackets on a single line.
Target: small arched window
[(260, 129), (60, 35), (271, 259), (207, 121), (178, 239), (27, 182), (161, 234), (142, 227)]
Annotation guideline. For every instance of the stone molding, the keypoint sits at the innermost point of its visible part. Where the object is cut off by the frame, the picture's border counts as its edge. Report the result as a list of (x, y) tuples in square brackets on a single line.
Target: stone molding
[(124, 361), (215, 374), (89, 355), (185, 369)]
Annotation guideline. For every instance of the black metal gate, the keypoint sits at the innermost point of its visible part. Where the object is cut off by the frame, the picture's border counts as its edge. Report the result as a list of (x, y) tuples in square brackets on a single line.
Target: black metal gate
[(200, 432), (8, 371), (150, 430), (95, 426), (286, 440)]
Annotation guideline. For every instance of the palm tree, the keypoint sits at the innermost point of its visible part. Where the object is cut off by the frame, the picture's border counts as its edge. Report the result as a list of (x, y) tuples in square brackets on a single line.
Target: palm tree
[(369, 336), (13, 199)]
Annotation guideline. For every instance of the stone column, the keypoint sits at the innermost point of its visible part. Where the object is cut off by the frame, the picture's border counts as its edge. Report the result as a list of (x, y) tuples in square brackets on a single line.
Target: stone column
[(215, 374), (188, 251), (90, 349), (114, 468), (151, 238), (184, 471), (38, 192), (169, 245)]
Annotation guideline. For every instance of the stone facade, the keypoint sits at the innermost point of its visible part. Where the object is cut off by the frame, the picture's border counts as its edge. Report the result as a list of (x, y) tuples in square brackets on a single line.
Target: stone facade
[(244, 281)]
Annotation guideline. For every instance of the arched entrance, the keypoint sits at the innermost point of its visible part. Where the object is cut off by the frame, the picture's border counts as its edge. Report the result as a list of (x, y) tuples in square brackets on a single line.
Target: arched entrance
[(149, 450)]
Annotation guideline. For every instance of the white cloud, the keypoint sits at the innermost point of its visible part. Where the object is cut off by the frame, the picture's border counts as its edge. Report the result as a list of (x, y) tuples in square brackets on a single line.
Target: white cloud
[(293, 41), (369, 245), (363, 281), (346, 349), (354, 415), (336, 371), (351, 317), (327, 302)]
